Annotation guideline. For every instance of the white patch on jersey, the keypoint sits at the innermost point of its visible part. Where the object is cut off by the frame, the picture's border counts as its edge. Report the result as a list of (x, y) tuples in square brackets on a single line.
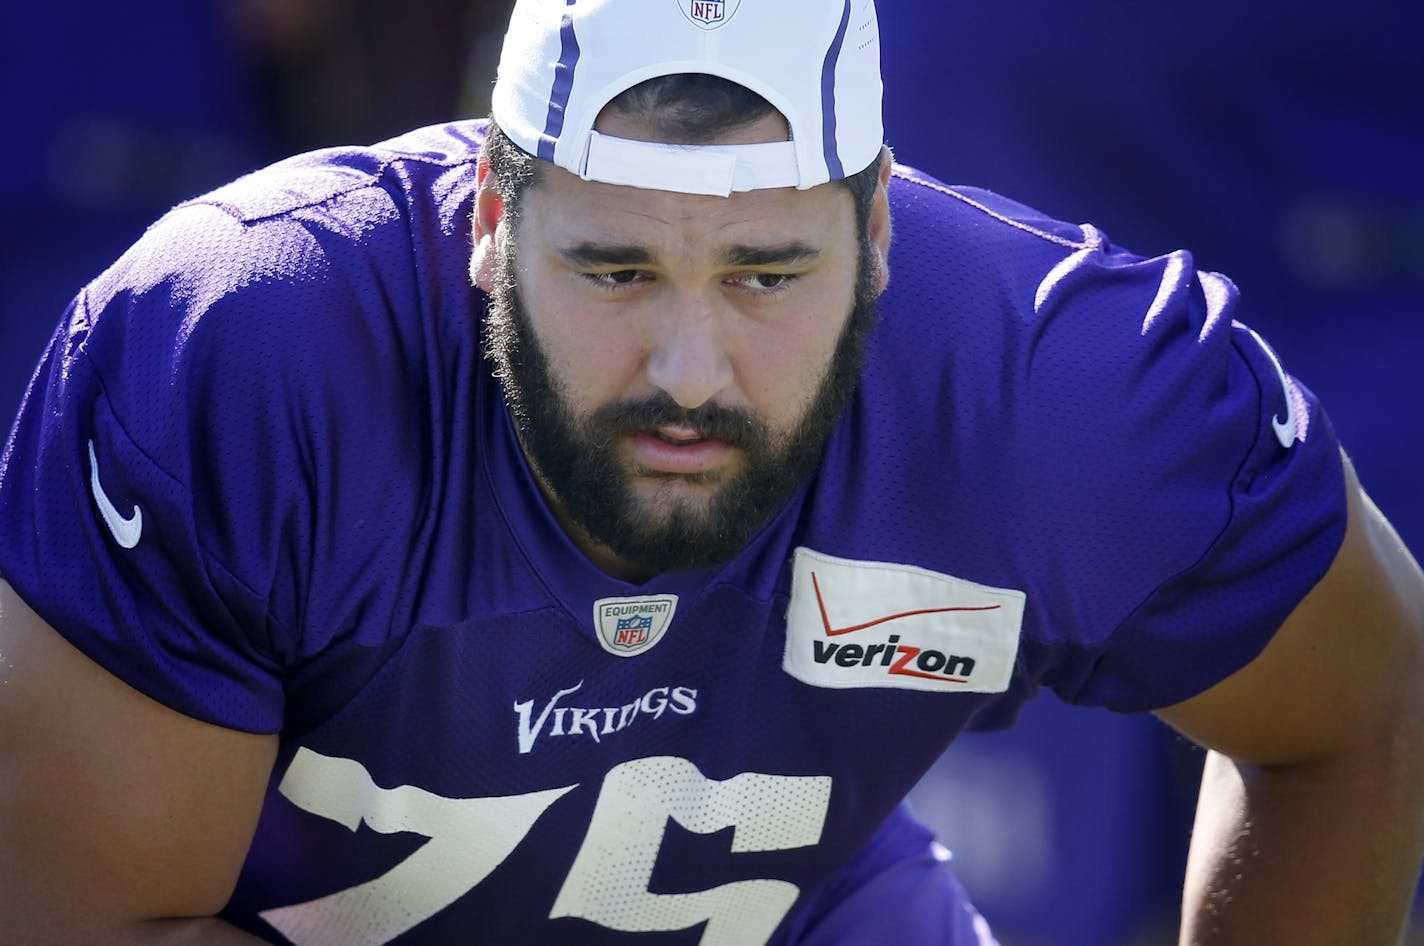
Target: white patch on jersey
[(630, 626), (880, 624)]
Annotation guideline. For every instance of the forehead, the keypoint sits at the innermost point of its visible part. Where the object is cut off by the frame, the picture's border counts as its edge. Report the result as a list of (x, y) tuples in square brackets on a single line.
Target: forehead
[(563, 207)]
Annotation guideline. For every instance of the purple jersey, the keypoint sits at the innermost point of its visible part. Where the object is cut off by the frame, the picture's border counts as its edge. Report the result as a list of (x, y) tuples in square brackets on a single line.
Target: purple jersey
[(266, 477)]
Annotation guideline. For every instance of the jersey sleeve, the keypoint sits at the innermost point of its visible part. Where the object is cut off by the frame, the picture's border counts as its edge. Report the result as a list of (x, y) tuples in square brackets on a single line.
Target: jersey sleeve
[(1284, 520), (180, 490), (1212, 479)]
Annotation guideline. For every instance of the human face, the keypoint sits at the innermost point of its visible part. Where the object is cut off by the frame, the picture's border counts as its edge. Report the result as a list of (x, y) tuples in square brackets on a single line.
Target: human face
[(675, 363)]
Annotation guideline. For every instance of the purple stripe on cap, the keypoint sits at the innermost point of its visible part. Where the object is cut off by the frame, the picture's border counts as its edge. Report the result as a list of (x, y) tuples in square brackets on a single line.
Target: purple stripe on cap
[(828, 98), (563, 86)]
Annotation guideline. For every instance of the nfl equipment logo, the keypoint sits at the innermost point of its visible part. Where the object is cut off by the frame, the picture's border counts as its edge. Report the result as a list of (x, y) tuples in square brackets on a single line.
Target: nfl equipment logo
[(709, 14), (630, 626), (632, 632), (709, 11)]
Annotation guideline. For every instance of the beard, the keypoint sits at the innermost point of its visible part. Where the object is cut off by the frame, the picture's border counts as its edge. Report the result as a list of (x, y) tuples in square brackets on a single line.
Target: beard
[(577, 458)]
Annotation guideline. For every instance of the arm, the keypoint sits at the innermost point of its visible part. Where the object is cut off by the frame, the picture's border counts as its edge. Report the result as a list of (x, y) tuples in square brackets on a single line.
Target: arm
[(114, 810), (1310, 824)]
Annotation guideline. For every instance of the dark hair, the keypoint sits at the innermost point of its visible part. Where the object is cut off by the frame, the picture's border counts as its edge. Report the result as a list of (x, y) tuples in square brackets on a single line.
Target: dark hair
[(689, 108), (692, 108)]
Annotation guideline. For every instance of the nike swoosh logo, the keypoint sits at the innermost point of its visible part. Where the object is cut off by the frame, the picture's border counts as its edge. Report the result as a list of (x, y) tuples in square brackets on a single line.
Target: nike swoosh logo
[(126, 530), (1285, 429), (837, 631)]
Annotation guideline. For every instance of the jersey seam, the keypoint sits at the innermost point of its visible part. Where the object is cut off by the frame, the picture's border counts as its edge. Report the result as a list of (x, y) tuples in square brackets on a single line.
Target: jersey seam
[(1211, 545), (208, 553), (481, 434), (982, 208), (371, 180), (234, 212)]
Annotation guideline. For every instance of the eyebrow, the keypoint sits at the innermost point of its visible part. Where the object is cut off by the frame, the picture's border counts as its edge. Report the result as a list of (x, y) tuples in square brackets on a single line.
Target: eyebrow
[(596, 255), (783, 255)]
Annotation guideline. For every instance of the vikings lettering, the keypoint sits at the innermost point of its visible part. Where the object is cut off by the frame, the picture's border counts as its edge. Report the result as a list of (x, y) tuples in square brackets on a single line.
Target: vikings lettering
[(596, 722)]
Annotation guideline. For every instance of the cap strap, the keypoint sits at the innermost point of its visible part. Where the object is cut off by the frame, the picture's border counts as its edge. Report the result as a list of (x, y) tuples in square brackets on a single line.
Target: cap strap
[(716, 170)]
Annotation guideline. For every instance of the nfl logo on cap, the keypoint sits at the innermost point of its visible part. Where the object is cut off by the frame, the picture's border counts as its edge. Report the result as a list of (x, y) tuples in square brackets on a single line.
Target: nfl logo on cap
[(708, 14)]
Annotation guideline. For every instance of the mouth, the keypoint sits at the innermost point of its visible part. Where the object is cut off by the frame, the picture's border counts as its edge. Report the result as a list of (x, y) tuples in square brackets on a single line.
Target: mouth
[(678, 451), (677, 436)]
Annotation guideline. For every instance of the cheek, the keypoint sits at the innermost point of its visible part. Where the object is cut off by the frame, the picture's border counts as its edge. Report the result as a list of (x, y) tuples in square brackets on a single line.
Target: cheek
[(785, 366), (589, 356)]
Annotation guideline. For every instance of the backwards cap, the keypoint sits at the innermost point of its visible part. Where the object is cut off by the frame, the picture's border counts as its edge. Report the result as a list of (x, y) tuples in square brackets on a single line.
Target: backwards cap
[(816, 61)]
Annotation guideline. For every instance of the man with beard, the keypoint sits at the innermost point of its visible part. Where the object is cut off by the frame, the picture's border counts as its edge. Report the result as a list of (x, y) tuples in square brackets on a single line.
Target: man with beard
[(578, 458), (321, 628)]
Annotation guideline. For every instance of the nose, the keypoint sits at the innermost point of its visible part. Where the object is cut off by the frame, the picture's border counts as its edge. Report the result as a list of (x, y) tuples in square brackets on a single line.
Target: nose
[(689, 358)]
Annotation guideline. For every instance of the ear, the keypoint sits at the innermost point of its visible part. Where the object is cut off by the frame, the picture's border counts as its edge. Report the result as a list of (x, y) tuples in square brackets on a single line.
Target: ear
[(879, 224), (489, 214)]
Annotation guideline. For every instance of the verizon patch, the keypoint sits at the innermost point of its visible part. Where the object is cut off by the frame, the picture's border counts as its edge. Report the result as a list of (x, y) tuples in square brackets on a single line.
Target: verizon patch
[(880, 624)]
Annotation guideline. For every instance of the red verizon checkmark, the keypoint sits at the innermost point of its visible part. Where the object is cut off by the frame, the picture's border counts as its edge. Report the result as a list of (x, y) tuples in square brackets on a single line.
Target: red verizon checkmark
[(836, 631)]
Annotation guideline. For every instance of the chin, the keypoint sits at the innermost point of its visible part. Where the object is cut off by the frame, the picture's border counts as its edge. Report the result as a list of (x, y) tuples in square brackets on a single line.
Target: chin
[(663, 500)]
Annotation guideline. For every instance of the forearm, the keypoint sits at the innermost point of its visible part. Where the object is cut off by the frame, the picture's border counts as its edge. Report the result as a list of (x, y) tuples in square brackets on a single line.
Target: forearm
[(83, 931), (198, 932), (1306, 855)]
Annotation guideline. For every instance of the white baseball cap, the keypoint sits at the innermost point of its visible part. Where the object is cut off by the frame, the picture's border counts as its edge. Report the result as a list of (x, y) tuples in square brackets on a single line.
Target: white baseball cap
[(816, 61)]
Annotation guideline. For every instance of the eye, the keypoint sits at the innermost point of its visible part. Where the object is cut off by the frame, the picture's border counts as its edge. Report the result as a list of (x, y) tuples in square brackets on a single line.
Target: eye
[(617, 278), (765, 282)]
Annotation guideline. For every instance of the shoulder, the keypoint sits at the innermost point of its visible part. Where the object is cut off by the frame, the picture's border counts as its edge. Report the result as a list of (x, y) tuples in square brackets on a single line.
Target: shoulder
[(922, 206), (406, 169), (1046, 411), (323, 275), (1047, 326), (277, 376), (285, 352)]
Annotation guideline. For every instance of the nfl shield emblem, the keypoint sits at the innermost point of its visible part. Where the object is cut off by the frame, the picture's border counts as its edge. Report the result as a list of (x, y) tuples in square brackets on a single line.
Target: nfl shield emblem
[(633, 632), (629, 626), (709, 14)]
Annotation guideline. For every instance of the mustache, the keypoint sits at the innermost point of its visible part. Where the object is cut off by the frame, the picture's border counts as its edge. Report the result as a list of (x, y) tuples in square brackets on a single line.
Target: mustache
[(733, 426)]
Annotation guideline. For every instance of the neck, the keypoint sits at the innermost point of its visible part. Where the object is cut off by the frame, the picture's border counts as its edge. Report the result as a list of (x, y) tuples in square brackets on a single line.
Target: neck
[(602, 557)]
